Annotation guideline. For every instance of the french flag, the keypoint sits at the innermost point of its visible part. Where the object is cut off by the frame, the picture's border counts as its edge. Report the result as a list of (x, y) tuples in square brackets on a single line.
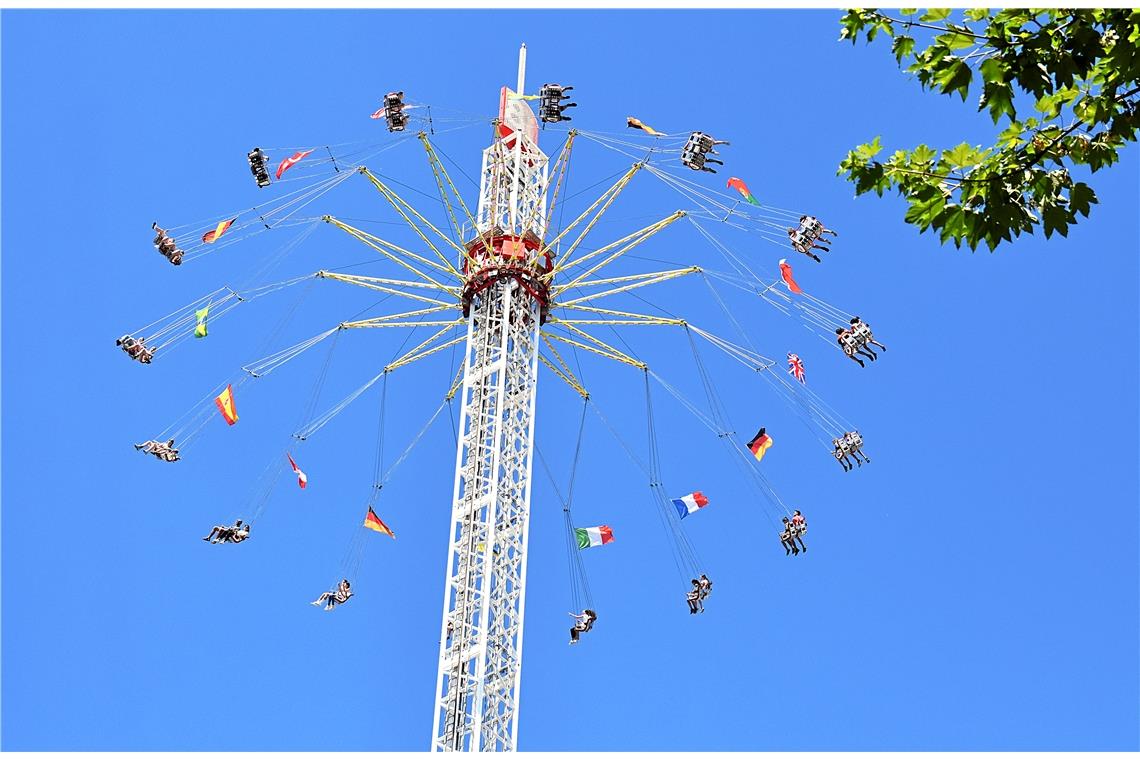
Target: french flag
[(687, 505)]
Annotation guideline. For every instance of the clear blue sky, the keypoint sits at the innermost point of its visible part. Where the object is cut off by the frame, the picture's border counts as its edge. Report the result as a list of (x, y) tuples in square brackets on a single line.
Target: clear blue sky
[(974, 588)]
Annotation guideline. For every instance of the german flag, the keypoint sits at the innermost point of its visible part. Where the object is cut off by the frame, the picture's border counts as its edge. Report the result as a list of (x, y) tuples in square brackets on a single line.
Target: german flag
[(225, 402), (760, 444), (218, 231), (372, 522)]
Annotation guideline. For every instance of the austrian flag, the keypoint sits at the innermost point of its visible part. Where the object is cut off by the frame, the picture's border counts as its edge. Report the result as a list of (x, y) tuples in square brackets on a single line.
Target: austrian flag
[(598, 536), (302, 478), (687, 505)]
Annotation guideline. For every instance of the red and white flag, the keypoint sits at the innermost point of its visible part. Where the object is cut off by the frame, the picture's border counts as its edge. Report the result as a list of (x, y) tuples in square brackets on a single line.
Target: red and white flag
[(302, 478), (379, 114), (287, 163), (796, 367), (786, 273)]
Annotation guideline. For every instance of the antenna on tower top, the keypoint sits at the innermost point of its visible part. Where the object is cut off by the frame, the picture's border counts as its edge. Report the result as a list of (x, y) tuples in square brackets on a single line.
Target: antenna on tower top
[(522, 69)]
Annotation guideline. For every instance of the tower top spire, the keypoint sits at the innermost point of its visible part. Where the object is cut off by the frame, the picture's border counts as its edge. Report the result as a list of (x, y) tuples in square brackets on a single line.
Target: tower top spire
[(522, 69)]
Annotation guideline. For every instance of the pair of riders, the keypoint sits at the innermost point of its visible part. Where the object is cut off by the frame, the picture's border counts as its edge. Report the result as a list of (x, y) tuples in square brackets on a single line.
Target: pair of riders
[(696, 152), (228, 534), (854, 340), (849, 445), (164, 451), (698, 593), (166, 245), (394, 111), (136, 348), (794, 529), (340, 595), (809, 235)]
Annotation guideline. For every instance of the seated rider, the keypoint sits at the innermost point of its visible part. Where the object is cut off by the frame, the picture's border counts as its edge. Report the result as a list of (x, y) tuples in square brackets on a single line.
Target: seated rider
[(854, 443), (799, 523), (787, 538), (841, 452), (582, 624), (130, 345), (817, 230), (862, 330), (796, 529), (705, 586), (332, 598), (693, 597)]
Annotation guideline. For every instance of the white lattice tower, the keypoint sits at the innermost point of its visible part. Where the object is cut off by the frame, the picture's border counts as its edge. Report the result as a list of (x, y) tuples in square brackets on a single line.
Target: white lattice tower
[(505, 301)]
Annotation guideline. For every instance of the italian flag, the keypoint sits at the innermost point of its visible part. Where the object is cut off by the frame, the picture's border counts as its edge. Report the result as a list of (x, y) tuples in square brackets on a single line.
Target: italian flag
[(588, 537)]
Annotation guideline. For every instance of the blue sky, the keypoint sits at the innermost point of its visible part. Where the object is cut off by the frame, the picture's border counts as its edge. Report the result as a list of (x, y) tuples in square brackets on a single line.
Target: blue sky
[(974, 588)]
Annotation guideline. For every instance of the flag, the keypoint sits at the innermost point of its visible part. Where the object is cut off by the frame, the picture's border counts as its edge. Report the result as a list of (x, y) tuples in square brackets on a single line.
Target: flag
[(796, 367), (288, 163), (372, 522), (225, 402), (378, 114), (637, 124), (738, 184), (200, 328), (687, 505), (588, 537), (786, 273), (218, 231), (760, 444), (302, 478)]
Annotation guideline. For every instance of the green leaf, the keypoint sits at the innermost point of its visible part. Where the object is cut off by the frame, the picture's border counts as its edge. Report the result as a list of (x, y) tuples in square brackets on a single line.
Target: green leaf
[(935, 14), (908, 11), (867, 151), (993, 70), (956, 40), (1056, 220), (956, 76), (902, 47), (998, 97), (923, 154), (1081, 198), (924, 206), (960, 156), (976, 14)]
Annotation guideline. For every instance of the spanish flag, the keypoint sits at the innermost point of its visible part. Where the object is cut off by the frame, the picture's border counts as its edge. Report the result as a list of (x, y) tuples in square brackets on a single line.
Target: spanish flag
[(372, 522), (218, 231), (638, 124), (760, 444), (225, 402)]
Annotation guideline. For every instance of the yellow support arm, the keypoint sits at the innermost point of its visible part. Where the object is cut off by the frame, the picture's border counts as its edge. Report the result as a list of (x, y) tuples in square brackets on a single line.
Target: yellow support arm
[(639, 237), (567, 379), (376, 283), (400, 205), (420, 351), (651, 278), (561, 168), (608, 197), (382, 246), (605, 350)]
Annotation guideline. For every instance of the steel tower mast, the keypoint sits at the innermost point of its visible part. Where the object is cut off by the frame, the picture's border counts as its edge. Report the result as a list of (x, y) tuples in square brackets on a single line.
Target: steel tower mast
[(505, 300)]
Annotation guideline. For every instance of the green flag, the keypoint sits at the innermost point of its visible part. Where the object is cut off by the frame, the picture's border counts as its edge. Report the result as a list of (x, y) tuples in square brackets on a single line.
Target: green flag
[(200, 329)]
